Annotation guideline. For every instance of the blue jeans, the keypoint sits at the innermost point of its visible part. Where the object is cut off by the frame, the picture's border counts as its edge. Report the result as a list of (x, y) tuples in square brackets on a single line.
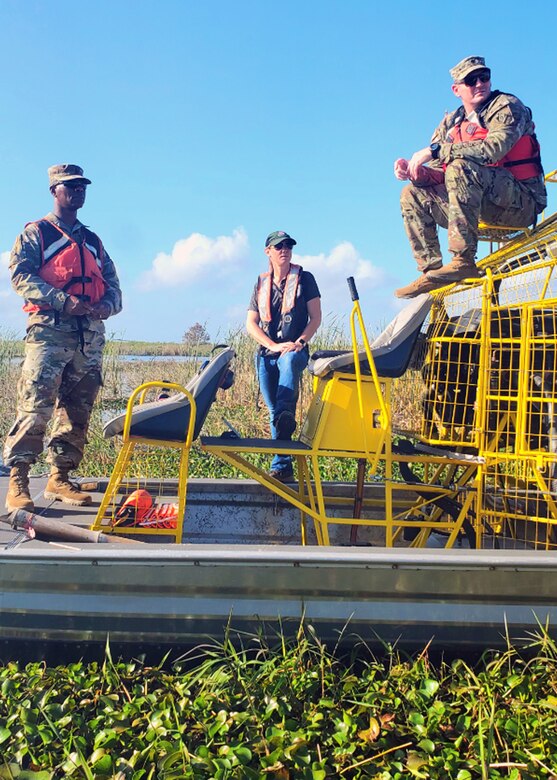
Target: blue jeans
[(279, 380)]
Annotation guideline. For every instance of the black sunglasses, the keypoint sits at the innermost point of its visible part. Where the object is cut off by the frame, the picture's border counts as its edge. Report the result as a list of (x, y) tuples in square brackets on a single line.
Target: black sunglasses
[(284, 244), (74, 185), (472, 78)]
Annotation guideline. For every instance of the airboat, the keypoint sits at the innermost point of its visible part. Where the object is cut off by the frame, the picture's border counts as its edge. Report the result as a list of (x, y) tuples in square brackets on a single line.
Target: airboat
[(448, 531)]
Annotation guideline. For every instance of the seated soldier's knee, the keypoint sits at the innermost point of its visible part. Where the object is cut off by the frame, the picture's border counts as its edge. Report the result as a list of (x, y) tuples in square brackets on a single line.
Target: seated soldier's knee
[(457, 170), (408, 195)]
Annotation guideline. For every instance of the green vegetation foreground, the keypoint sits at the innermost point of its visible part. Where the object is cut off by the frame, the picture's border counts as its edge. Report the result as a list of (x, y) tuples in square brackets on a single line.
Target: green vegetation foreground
[(295, 711)]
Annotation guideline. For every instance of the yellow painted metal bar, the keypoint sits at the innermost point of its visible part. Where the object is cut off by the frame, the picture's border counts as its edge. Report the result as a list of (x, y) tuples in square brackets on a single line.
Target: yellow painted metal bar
[(126, 453)]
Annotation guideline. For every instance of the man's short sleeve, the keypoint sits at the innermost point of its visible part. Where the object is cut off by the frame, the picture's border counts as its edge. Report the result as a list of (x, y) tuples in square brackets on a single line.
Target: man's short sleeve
[(253, 300), (309, 286)]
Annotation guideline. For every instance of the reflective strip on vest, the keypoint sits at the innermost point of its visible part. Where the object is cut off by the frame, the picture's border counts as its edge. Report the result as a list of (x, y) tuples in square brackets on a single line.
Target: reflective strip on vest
[(54, 248), (93, 250), (288, 296)]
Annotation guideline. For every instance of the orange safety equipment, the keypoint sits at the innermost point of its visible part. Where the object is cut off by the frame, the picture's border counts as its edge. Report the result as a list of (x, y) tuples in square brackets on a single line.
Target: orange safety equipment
[(69, 266), (160, 516), (134, 508), (293, 308), (288, 296), (523, 159)]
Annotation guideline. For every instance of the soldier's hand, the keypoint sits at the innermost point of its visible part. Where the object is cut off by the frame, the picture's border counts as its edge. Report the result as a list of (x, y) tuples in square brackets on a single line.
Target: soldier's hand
[(76, 307), (401, 169), (417, 160), (100, 311)]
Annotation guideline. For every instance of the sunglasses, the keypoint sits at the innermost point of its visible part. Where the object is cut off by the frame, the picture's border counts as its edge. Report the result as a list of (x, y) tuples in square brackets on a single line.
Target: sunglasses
[(75, 185), (472, 78), (284, 245)]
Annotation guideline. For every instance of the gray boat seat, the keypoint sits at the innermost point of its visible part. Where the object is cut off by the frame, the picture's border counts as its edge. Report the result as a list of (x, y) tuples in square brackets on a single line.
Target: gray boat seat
[(168, 419), (391, 350)]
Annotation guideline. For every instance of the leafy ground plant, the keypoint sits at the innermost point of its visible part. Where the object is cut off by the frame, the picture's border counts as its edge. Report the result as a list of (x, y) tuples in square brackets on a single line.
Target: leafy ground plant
[(290, 710)]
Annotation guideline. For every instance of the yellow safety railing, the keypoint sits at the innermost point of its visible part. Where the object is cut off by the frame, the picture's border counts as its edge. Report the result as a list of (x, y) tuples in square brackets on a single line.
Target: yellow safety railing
[(125, 479)]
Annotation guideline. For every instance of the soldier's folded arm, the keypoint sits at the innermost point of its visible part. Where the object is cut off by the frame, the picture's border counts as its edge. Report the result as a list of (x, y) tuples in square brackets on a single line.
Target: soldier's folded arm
[(112, 297), (505, 128)]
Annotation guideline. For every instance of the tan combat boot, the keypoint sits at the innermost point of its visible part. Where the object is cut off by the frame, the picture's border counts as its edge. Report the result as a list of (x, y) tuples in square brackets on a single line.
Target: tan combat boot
[(455, 271), (18, 491), (59, 488), (458, 269)]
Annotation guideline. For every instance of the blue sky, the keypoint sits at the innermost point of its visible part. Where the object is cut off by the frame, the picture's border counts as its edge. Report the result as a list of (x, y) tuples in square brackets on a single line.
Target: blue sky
[(206, 124)]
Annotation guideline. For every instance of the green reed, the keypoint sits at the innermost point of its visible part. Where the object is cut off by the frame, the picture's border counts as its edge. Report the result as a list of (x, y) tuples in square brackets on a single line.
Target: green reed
[(242, 406)]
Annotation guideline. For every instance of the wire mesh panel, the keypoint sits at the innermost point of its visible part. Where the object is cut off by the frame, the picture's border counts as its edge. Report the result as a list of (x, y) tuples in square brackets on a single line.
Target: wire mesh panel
[(490, 377), (451, 368)]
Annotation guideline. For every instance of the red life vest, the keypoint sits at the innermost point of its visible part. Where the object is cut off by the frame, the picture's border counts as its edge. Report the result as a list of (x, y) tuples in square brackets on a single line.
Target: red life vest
[(69, 266), (288, 296), (523, 159)]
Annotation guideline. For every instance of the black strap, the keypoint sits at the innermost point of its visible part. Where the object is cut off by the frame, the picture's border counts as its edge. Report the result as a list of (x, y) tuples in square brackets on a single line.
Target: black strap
[(74, 279), (511, 163)]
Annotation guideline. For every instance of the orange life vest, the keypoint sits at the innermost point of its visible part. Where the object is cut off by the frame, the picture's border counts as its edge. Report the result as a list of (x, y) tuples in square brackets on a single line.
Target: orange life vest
[(523, 159), (69, 266), (288, 296), (293, 314)]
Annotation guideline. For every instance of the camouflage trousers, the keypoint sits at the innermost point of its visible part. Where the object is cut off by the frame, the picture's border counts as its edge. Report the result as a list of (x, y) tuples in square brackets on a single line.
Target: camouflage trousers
[(470, 193), (59, 381)]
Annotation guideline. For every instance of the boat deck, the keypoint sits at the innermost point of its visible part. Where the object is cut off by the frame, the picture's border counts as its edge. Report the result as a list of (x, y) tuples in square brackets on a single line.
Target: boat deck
[(181, 594), (80, 516)]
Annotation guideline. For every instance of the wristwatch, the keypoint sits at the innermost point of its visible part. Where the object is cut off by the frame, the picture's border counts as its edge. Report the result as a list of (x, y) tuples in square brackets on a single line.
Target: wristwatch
[(302, 342), (435, 149)]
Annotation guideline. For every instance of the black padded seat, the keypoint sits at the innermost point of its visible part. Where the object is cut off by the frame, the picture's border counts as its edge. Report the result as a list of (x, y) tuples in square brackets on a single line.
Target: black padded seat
[(168, 419), (391, 350)]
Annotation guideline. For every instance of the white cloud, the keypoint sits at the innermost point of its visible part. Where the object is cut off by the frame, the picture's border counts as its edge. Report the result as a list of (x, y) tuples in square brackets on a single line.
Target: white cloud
[(331, 271), (196, 258), (199, 262)]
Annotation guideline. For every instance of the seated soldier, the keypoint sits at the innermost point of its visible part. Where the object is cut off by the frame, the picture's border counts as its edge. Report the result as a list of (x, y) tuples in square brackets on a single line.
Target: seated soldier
[(483, 163)]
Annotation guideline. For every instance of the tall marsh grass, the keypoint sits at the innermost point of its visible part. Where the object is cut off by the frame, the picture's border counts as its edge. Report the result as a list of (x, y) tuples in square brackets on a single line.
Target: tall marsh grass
[(242, 405)]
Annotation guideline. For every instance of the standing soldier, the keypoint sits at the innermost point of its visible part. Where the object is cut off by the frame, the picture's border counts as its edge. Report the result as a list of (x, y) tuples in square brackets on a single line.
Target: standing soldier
[(70, 286), (483, 163)]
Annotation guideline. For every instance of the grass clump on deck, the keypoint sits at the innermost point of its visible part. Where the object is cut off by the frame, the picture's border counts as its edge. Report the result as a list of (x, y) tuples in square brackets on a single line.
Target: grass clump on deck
[(295, 710)]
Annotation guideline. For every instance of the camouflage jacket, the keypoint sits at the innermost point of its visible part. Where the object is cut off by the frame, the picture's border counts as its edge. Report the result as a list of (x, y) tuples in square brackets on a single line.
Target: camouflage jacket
[(507, 119), (25, 263)]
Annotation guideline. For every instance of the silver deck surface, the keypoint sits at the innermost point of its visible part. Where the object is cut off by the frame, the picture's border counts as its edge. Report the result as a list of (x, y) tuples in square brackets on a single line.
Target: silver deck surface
[(181, 594)]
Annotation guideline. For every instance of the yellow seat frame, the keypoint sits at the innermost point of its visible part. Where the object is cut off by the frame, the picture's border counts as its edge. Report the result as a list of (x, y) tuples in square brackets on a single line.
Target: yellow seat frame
[(109, 504)]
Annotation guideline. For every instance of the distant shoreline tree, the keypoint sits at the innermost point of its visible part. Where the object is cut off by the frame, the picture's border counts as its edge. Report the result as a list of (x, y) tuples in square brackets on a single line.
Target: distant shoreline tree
[(196, 335)]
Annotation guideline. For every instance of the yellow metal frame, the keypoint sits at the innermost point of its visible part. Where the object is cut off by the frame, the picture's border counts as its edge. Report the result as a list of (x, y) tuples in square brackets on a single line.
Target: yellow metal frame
[(350, 417), (505, 383), (108, 507)]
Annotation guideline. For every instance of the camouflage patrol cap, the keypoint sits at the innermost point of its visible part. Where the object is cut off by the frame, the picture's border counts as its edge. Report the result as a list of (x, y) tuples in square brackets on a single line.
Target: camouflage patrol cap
[(58, 174), (466, 66), (277, 236)]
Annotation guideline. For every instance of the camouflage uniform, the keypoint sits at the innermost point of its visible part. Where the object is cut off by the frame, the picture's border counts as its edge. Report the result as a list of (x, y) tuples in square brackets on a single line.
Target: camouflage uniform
[(471, 189), (61, 373)]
